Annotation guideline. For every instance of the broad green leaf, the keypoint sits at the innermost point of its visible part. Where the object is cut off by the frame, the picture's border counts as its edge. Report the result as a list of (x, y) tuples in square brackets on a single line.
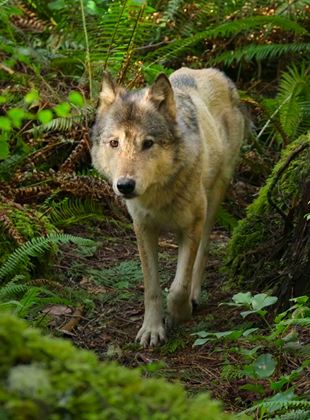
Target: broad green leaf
[(3, 99), (243, 298), (5, 123), (200, 341), (246, 313), (202, 334), (300, 299), (264, 365), (45, 116), (259, 388), (76, 98), (233, 335), (249, 352), (248, 332), (262, 300)]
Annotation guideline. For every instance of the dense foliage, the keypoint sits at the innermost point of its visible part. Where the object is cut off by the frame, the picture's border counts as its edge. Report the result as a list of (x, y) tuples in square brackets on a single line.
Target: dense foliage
[(44, 377), (51, 60), (271, 246)]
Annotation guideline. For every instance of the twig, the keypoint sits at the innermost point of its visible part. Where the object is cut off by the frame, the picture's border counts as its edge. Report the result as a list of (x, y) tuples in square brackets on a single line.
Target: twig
[(75, 319), (88, 63)]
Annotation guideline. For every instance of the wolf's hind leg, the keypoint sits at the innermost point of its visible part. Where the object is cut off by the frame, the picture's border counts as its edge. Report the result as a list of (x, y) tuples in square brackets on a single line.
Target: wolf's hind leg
[(215, 198), (152, 331)]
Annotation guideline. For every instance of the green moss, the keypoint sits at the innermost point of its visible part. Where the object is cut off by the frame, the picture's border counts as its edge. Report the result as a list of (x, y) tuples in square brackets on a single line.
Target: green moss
[(41, 377), (263, 226)]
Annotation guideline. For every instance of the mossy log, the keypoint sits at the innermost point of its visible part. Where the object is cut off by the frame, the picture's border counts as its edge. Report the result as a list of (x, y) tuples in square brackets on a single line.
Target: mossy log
[(45, 378), (270, 248)]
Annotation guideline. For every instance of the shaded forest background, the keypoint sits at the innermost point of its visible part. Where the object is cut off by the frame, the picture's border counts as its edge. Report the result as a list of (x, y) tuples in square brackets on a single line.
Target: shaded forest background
[(53, 54)]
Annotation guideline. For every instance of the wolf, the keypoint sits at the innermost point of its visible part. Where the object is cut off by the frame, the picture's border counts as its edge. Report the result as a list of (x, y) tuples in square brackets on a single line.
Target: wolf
[(170, 150)]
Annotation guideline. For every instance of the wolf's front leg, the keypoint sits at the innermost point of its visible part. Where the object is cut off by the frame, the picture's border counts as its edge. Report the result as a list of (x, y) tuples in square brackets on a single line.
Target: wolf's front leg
[(152, 331), (179, 298)]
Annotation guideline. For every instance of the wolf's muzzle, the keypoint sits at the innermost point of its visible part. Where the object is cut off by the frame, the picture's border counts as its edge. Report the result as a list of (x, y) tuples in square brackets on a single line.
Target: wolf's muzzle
[(126, 186)]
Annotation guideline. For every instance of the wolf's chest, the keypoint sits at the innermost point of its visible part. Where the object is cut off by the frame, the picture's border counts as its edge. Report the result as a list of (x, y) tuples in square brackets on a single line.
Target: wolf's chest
[(172, 217)]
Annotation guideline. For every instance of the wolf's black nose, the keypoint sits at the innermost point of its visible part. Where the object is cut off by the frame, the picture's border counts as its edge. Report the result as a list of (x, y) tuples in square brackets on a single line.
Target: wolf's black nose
[(126, 185)]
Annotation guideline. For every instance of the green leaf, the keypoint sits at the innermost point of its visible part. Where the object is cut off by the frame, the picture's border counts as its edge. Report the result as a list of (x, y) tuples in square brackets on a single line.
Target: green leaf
[(63, 109), (45, 116), (246, 313), (243, 298), (259, 388), (249, 352), (4, 149), (202, 334), (233, 335), (200, 341), (264, 365), (262, 300), (32, 96), (5, 123), (3, 99), (76, 98), (17, 115), (249, 331), (57, 5)]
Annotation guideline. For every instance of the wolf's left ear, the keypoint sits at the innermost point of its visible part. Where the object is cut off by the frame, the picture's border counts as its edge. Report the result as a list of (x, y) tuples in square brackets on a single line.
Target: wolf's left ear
[(108, 92), (162, 96)]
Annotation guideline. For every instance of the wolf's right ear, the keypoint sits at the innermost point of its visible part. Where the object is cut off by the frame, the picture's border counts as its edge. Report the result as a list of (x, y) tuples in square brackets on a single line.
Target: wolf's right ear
[(161, 94), (108, 92)]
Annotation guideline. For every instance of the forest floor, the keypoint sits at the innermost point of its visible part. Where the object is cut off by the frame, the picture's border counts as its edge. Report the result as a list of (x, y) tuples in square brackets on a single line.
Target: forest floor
[(109, 285), (112, 276)]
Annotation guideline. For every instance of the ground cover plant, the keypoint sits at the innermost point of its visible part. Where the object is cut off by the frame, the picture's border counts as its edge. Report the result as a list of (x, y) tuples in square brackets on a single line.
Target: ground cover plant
[(68, 258)]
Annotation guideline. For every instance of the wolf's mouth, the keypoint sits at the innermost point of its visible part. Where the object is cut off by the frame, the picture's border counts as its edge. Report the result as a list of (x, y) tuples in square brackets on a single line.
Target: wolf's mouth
[(129, 196)]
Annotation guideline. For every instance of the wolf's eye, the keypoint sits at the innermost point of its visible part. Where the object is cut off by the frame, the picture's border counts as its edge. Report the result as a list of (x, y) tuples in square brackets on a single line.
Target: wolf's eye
[(114, 143), (147, 144)]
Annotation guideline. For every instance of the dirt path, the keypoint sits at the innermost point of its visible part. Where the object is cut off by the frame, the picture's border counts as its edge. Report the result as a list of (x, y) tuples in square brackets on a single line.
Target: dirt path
[(113, 278)]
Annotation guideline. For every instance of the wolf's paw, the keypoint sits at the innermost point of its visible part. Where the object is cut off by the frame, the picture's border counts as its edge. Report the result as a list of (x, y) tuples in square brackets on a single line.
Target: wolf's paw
[(151, 335), (179, 306)]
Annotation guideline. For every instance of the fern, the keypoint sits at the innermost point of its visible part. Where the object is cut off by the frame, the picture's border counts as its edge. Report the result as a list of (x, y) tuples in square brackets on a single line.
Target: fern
[(280, 406), (12, 290), (260, 52), (73, 210), (172, 9), (294, 415), (65, 124), (36, 247), (224, 30), (294, 93)]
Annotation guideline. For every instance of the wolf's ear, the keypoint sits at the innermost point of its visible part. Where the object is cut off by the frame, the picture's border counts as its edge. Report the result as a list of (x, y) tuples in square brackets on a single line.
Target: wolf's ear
[(108, 92), (161, 94)]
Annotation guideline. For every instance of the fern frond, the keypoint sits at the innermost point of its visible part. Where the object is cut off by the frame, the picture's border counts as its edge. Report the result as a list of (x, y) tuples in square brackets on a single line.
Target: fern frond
[(260, 52), (65, 124), (36, 247), (224, 30), (274, 406), (74, 210), (11, 290), (294, 415), (294, 91)]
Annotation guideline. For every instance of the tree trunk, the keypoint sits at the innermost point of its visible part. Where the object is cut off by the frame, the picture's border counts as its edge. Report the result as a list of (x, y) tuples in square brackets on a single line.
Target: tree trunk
[(270, 248)]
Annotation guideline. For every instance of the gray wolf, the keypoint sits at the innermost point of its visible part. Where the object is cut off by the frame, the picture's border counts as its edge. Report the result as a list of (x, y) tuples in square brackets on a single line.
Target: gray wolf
[(170, 150)]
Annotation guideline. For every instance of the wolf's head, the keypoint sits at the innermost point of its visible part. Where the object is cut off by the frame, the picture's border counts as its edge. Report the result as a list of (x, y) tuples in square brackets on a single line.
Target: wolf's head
[(135, 136)]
